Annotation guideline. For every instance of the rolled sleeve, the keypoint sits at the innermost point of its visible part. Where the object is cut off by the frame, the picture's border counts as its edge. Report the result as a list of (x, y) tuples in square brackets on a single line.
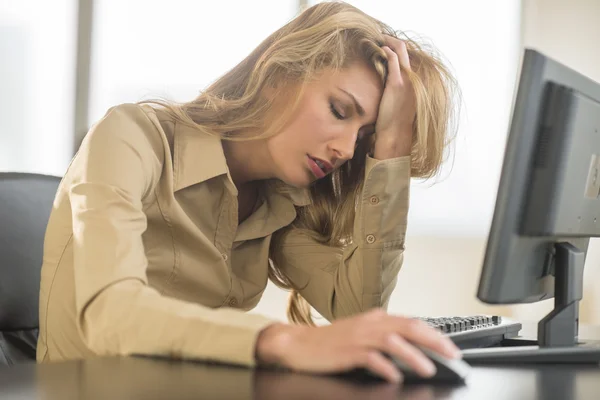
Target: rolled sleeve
[(383, 209)]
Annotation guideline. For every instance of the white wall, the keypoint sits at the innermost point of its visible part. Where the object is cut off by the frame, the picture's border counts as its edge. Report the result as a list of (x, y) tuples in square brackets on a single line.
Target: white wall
[(37, 84), (567, 31), (149, 48)]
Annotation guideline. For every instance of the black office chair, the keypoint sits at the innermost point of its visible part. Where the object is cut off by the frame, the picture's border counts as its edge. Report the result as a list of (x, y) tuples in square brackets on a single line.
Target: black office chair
[(25, 204)]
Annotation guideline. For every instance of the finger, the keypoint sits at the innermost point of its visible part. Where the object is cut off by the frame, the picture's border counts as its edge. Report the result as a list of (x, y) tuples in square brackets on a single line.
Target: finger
[(409, 354), (376, 363), (420, 333), (399, 47), (394, 77)]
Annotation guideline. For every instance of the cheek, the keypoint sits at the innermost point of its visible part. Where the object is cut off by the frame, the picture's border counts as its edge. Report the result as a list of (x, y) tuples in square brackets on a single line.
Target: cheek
[(315, 132), (315, 127), (311, 127), (304, 130)]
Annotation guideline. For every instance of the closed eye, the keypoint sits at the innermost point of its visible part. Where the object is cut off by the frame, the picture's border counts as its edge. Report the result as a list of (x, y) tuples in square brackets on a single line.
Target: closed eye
[(336, 112)]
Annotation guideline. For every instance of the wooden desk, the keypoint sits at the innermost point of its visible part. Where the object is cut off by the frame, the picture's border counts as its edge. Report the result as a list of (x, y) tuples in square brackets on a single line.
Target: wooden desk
[(147, 379)]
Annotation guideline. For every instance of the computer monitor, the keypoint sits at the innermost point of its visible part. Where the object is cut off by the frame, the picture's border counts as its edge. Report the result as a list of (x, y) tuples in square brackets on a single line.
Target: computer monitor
[(547, 208)]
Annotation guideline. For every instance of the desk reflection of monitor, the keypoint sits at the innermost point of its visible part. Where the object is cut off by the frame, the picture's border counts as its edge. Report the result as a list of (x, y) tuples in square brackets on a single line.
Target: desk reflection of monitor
[(547, 208)]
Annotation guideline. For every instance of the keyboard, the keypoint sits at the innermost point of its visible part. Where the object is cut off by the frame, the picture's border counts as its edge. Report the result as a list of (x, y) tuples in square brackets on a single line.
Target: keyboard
[(476, 331)]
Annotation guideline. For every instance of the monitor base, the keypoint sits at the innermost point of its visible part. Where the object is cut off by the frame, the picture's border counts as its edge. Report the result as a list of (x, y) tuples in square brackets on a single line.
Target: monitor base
[(528, 354)]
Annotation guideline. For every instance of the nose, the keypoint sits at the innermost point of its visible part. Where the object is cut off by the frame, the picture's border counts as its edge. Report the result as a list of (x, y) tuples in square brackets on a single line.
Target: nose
[(343, 147)]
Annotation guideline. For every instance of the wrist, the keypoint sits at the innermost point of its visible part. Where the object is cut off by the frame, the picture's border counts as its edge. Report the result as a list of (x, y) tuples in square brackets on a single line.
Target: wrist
[(390, 151), (394, 147), (274, 341)]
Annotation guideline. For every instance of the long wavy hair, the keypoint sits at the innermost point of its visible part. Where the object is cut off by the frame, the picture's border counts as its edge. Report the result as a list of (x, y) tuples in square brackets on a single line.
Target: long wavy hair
[(327, 35)]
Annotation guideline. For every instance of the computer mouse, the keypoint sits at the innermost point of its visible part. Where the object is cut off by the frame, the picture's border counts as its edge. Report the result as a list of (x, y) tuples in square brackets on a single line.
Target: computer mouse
[(448, 371)]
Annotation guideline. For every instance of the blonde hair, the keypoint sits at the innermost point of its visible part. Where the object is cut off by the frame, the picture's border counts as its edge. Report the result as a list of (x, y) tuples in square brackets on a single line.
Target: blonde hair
[(327, 35)]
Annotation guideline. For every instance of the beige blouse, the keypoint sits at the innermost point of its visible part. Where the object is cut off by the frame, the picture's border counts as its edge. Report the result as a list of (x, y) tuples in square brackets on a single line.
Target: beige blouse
[(143, 253)]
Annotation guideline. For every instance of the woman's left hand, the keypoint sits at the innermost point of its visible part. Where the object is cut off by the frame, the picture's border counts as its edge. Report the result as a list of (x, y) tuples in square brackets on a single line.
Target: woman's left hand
[(397, 109)]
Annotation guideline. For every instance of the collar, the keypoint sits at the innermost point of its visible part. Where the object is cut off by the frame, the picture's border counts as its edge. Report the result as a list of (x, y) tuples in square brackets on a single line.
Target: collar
[(199, 156)]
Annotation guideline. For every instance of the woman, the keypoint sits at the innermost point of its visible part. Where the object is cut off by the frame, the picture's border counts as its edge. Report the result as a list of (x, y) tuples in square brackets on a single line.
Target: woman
[(165, 222)]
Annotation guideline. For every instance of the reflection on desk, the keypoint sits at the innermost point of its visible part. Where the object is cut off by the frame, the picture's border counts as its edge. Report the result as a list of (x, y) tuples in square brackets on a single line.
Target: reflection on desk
[(144, 378)]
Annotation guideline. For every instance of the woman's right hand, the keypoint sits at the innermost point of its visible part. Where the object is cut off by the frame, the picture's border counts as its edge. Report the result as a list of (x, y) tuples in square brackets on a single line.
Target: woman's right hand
[(354, 342)]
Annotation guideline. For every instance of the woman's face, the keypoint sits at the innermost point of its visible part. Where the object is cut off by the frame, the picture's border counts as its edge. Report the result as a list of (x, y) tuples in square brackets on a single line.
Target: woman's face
[(335, 111)]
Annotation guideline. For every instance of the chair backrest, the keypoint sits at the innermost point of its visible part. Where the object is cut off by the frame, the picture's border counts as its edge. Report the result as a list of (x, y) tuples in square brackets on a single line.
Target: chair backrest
[(25, 204)]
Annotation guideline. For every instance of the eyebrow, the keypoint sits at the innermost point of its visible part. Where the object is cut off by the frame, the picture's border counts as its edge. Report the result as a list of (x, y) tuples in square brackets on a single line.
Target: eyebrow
[(359, 109)]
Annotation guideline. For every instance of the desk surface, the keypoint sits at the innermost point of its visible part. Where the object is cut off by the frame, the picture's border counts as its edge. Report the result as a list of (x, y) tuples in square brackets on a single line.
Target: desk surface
[(147, 379)]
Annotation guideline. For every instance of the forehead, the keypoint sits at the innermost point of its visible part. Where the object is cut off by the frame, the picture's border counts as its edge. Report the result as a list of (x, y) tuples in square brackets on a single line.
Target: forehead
[(358, 79)]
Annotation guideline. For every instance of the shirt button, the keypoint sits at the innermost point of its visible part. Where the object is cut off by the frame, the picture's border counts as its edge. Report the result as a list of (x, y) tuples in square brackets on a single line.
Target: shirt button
[(370, 239), (224, 256), (233, 302), (374, 200)]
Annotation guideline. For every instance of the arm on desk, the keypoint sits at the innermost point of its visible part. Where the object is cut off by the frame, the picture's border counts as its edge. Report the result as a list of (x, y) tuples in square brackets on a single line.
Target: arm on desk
[(117, 167)]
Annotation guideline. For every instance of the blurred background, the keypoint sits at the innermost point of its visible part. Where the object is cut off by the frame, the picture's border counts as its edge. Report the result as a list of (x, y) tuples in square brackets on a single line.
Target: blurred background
[(63, 63)]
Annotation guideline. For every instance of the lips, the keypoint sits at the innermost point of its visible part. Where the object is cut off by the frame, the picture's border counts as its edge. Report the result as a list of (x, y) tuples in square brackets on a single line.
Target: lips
[(319, 167)]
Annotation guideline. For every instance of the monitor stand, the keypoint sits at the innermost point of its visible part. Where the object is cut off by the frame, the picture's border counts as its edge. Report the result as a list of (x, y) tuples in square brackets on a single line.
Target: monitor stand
[(558, 331)]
